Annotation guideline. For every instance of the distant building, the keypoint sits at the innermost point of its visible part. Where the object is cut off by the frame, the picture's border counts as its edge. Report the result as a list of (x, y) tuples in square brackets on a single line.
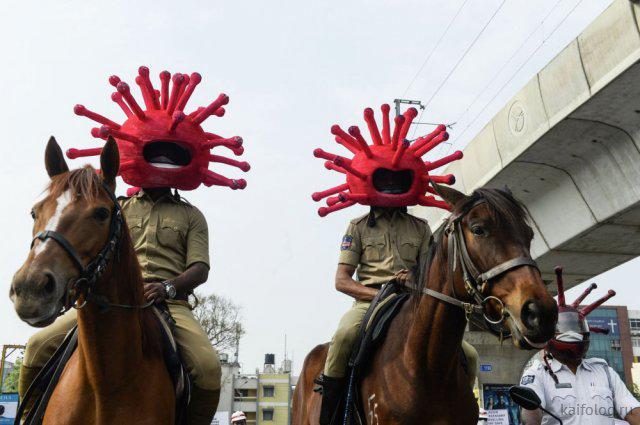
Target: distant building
[(264, 397), (634, 325), (615, 347)]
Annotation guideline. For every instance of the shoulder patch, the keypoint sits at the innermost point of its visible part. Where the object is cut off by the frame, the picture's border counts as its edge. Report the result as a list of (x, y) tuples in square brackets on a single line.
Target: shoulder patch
[(527, 379), (347, 241)]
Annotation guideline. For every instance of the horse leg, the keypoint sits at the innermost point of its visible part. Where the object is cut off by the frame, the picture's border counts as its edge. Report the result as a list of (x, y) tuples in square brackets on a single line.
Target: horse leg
[(306, 402)]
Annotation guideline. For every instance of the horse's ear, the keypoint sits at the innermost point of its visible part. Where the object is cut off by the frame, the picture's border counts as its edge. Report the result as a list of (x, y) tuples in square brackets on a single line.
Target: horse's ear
[(109, 161), (54, 158), (451, 196)]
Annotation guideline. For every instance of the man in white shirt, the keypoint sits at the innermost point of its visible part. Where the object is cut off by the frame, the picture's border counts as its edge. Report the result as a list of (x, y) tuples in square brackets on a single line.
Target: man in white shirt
[(588, 392), (576, 389)]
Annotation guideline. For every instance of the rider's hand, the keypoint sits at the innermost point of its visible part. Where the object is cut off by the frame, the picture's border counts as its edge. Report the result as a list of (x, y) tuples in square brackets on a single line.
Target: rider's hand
[(154, 291), (402, 276)]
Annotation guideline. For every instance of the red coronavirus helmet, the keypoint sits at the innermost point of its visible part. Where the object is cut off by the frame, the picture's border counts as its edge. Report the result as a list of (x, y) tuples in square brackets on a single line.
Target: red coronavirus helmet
[(389, 172), (571, 340), (162, 145)]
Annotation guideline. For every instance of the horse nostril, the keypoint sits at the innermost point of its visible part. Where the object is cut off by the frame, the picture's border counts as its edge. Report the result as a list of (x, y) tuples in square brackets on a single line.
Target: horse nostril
[(50, 284), (531, 314)]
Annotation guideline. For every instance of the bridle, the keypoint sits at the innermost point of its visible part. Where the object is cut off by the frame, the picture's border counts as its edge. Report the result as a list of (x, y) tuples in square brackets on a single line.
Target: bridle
[(476, 283), (91, 272)]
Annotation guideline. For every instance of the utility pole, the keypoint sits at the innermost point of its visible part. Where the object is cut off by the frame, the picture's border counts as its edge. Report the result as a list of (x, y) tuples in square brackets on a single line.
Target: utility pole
[(7, 350), (406, 102)]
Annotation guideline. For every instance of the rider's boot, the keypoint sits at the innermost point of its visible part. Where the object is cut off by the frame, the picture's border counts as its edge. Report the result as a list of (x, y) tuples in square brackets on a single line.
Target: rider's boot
[(202, 406), (27, 376), (331, 393)]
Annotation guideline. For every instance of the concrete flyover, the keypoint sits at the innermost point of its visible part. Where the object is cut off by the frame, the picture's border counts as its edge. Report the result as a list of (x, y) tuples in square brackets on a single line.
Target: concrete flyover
[(568, 145)]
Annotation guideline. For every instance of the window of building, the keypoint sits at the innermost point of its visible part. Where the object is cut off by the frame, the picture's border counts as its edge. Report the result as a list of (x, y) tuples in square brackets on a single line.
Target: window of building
[(267, 415), (615, 345), (268, 391), (635, 342), (635, 324)]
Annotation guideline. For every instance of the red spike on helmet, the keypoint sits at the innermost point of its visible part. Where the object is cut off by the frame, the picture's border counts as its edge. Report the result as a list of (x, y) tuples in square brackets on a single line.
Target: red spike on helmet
[(390, 156), (571, 340), (162, 145)]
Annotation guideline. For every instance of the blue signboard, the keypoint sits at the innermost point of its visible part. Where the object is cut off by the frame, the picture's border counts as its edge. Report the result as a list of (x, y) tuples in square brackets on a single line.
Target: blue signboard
[(485, 368), (605, 323), (8, 408)]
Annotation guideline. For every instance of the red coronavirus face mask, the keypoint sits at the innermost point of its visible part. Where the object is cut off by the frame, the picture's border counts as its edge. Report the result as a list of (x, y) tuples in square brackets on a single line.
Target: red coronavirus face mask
[(571, 340), (162, 145), (390, 171)]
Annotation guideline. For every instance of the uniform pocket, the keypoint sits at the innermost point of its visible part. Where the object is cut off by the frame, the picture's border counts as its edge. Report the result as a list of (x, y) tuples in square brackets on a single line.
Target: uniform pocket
[(564, 403), (135, 228), (602, 401), (409, 250), (373, 248), (171, 232)]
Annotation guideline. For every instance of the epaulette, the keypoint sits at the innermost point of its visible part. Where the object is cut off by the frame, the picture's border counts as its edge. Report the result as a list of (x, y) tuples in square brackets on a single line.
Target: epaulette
[(359, 219), (595, 360), (423, 220)]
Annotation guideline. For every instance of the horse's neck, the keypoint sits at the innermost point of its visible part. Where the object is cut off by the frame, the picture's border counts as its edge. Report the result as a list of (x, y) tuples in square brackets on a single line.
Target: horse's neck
[(434, 340), (110, 342)]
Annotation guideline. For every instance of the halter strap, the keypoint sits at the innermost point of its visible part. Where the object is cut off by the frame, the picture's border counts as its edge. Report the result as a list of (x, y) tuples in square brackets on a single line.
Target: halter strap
[(91, 272), (475, 281), (64, 243)]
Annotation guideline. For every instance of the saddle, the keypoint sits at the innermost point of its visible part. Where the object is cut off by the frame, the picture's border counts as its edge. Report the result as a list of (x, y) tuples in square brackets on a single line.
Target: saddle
[(49, 376), (375, 324)]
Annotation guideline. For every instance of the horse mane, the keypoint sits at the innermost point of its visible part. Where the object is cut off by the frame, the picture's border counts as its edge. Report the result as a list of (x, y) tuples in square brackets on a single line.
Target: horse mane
[(84, 183), (504, 208)]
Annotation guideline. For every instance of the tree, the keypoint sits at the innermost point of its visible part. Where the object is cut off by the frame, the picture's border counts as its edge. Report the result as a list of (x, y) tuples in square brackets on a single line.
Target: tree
[(221, 320), (10, 382)]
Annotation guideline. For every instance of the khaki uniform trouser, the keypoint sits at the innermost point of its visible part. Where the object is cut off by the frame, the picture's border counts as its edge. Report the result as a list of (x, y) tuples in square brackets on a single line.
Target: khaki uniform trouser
[(196, 351), (345, 338)]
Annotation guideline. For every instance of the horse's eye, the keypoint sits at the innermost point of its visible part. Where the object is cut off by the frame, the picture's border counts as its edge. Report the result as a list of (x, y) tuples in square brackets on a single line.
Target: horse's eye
[(101, 214), (33, 214), (479, 231)]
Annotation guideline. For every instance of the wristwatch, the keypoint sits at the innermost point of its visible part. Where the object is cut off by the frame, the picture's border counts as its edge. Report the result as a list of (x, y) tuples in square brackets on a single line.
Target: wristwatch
[(169, 289)]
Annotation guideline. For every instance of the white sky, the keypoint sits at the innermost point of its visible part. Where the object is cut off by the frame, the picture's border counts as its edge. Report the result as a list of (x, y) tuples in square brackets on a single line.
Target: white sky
[(292, 69)]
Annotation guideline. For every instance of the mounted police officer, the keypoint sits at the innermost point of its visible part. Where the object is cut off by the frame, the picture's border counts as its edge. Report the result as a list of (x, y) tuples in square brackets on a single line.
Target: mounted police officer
[(388, 243), (170, 236), (171, 239), (377, 248), (574, 388)]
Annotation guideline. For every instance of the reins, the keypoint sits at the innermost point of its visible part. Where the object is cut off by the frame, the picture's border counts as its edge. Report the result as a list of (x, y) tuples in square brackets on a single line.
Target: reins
[(476, 283), (91, 272)]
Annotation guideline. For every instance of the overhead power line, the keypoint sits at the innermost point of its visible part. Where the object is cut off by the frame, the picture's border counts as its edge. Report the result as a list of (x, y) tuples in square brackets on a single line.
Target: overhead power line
[(519, 69), (435, 47), (515, 52), (464, 54)]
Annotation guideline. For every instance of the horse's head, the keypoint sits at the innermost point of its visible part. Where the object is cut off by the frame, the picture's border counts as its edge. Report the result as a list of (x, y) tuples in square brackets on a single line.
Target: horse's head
[(491, 227), (72, 227)]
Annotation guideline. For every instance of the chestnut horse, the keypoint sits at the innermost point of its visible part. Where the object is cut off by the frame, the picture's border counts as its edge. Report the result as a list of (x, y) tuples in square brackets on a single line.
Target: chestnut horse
[(416, 376), (82, 253)]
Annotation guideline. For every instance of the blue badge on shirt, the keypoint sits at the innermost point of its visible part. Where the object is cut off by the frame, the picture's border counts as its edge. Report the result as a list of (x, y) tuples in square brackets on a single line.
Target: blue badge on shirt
[(346, 242), (527, 379)]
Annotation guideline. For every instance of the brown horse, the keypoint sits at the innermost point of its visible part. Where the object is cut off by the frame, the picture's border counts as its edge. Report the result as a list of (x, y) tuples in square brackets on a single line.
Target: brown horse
[(416, 376), (82, 253)]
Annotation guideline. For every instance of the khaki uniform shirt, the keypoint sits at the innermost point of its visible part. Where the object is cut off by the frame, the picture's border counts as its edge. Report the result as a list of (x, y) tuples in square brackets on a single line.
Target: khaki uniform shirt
[(397, 241), (168, 236)]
